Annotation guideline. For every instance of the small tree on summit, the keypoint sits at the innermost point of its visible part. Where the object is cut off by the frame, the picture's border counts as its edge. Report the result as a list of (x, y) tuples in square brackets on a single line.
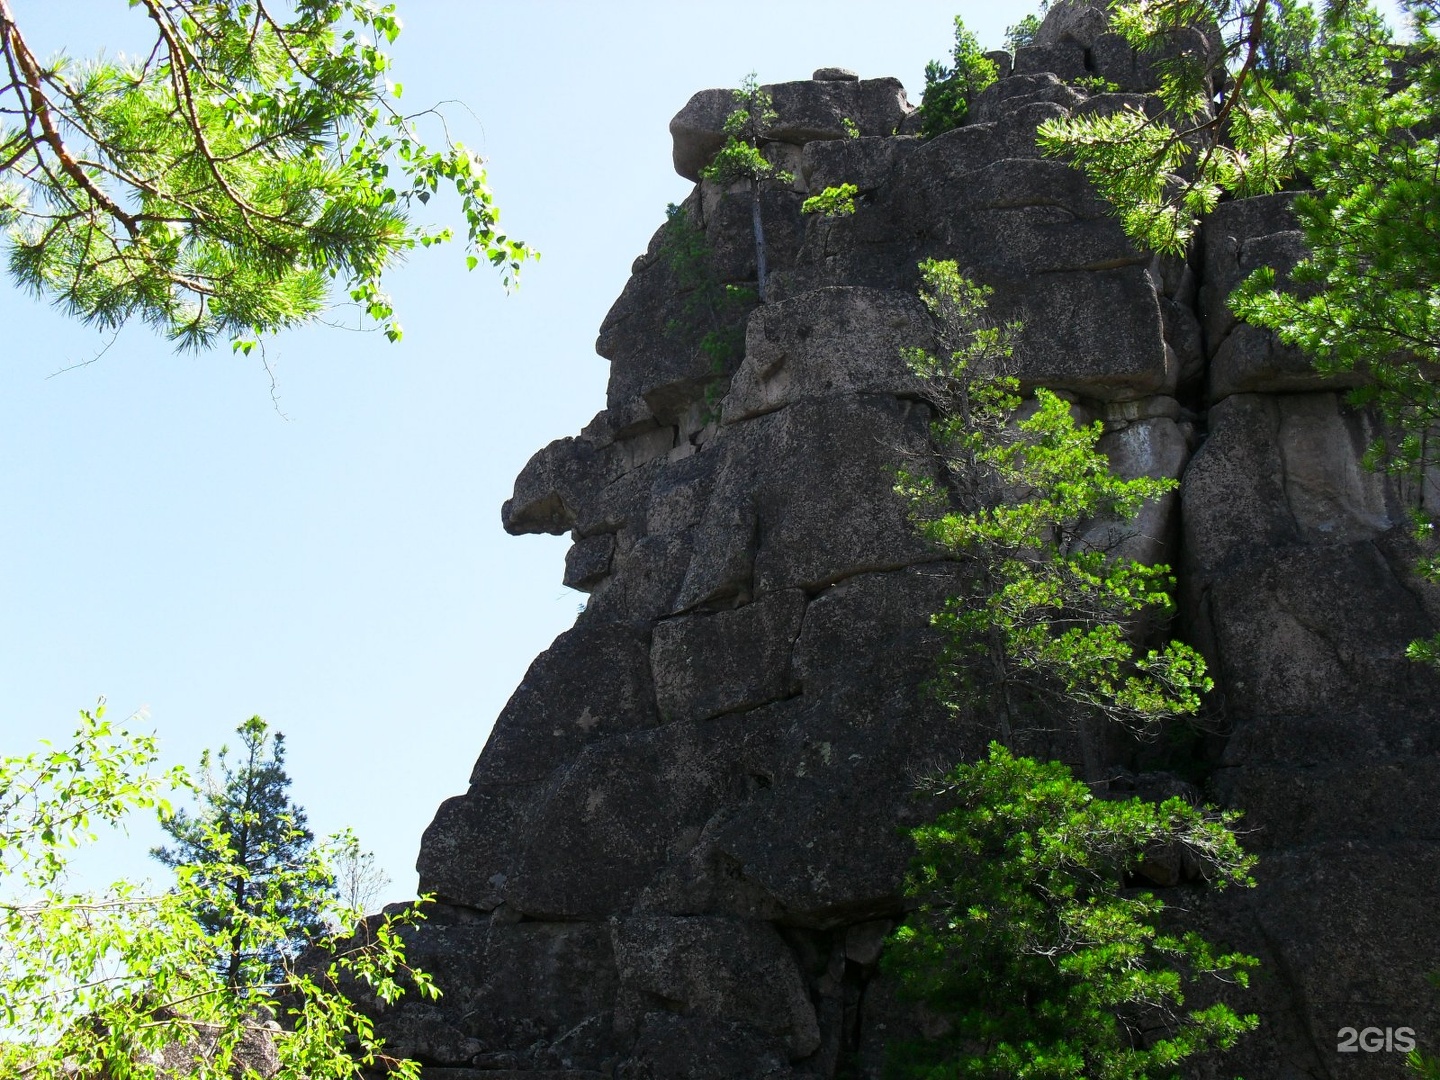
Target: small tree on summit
[(950, 88), (742, 159), (245, 832)]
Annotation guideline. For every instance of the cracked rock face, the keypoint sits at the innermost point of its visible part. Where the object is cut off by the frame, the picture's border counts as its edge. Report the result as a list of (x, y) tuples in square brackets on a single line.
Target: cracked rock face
[(682, 846)]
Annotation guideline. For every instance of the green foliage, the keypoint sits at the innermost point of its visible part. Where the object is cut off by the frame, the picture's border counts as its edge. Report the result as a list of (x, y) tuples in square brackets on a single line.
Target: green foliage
[(222, 185), (1417, 1061), (852, 129), (1022, 34), (1046, 621), (741, 158), (1096, 84), (1243, 149), (1288, 37), (1342, 105), (99, 984), (950, 89), (1164, 172), (247, 834), (1032, 943), (1029, 941), (711, 309), (737, 160), (832, 202)]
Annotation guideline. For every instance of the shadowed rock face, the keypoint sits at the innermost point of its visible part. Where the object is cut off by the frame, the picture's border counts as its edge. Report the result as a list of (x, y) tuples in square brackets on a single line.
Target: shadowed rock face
[(683, 845)]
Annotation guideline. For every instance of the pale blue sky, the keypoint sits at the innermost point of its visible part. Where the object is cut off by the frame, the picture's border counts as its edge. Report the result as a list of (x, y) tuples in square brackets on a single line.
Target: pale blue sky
[(168, 540)]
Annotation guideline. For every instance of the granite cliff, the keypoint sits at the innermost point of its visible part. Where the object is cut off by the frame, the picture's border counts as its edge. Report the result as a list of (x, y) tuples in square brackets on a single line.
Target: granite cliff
[(682, 845)]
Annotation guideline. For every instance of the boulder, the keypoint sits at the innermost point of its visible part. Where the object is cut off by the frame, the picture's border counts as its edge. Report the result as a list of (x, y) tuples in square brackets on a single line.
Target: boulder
[(468, 852), (812, 110), (1076, 22), (593, 682), (1152, 447), (715, 969), (805, 497), (550, 489), (625, 809), (1098, 333), (1064, 59), (516, 998), (1003, 60), (1008, 96), (827, 343), (866, 162), (698, 130), (588, 562), (805, 111), (729, 661), (1239, 238)]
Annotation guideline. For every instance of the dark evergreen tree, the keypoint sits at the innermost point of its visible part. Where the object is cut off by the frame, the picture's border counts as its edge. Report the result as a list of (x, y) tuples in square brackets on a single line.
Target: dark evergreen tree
[(950, 88), (244, 833)]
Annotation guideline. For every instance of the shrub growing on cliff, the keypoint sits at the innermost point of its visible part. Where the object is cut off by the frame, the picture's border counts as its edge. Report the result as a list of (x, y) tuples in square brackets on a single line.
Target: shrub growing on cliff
[(1043, 631), (1034, 946), (1028, 940), (835, 201), (711, 310)]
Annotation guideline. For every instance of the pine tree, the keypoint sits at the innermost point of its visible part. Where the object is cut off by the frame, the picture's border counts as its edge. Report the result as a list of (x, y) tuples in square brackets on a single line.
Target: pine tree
[(226, 179), (950, 89), (1027, 935), (743, 159), (244, 834)]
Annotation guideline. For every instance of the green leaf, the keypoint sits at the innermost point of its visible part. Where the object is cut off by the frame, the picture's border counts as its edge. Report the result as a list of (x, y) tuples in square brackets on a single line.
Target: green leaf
[(116, 975)]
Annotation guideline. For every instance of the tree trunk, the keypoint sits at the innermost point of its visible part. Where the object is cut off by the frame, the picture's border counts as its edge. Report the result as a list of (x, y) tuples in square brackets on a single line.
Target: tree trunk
[(759, 239), (1089, 753)]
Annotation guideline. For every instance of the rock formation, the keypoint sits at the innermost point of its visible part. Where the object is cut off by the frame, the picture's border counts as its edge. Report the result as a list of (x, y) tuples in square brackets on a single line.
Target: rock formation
[(682, 846)]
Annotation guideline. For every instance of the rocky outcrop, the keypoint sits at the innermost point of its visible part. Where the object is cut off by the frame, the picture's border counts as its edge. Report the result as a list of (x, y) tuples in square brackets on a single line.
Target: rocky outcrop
[(806, 112), (682, 846)]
